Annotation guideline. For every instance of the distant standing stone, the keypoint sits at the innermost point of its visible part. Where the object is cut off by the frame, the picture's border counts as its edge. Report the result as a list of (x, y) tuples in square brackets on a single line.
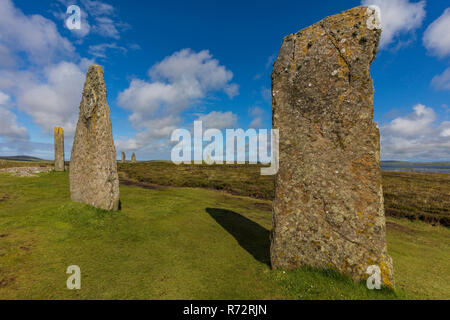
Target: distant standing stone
[(124, 158), (328, 210), (93, 166), (133, 158), (59, 149)]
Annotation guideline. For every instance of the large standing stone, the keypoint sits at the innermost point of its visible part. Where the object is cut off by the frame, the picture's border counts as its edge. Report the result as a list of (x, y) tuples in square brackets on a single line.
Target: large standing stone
[(133, 158), (59, 150), (124, 158), (93, 167), (328, 211)]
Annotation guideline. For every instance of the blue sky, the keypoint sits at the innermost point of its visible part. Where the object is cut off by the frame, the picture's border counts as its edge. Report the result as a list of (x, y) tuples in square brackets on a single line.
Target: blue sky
[(168, 63)]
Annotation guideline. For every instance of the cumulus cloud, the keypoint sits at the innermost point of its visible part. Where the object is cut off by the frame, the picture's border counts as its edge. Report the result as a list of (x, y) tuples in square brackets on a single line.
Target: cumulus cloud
[(175, 84), (232, 90), (40, 72), (442, 81), (414, 124), (417, 136), (49, 89), (35, 35), (4, 99), (398, 17), (437, 36), (10, 131), (218, 120), (53, 99)]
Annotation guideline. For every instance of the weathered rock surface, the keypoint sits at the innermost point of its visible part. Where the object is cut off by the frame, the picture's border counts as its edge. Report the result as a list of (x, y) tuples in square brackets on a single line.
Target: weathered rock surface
[(328, 210), (59, 149), (93, 166), (124, 158), (133, 158)]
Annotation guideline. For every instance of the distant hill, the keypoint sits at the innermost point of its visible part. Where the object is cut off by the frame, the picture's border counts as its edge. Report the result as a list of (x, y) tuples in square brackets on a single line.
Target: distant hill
[(20, 158)]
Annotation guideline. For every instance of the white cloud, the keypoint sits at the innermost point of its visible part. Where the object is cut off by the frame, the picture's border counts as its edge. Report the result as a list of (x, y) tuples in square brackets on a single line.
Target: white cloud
[(271, 61), (437, 36), (176, 84), (98, 8), (416, 137), (266, 94), (232, 90), (4, 99), (414, 124), (50, 96), (35, 35), (398, 17), (197, 72), (218, 120), (152, 140), (99, 50), (10, 131), (7, 59), (257, 113), (53, 100), (442, 81), (97, 17), (48, 89), (106, 27)]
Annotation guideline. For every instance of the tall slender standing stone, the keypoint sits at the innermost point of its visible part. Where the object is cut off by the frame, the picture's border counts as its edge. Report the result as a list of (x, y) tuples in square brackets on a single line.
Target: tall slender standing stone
[(133, 158), (59, 149), (124, 158), (93, 166), (328, 210)]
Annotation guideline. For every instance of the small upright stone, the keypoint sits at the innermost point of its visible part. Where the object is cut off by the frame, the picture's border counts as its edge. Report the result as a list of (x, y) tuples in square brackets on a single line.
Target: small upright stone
[(124, 158), (59, 149), (133, 158), (328, 209), (93, 166)]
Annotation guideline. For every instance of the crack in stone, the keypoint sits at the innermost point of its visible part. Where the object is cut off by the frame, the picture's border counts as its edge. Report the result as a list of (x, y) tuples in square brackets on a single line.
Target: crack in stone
[(332, 37)]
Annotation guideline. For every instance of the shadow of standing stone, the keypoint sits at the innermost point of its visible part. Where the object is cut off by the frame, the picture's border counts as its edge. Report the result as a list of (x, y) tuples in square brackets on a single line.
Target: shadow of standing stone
[(250, 235)]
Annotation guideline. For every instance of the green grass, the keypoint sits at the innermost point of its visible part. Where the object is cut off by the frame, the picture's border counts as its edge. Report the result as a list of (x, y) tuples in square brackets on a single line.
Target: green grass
[(181, 243), (416, 196)]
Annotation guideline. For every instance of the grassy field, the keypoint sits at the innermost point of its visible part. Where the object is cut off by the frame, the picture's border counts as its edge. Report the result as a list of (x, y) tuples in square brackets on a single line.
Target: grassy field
[(416, 196), (181, 243)]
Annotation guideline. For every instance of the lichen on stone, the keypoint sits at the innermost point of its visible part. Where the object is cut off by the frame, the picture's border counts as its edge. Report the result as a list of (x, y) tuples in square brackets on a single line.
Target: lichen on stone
[(328, 210)]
